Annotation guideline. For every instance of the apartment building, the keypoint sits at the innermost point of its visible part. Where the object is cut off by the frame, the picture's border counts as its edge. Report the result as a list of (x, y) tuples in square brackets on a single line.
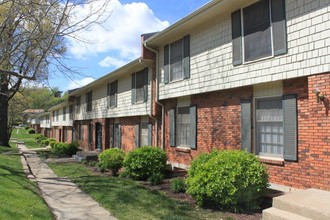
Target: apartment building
[(250, 75)]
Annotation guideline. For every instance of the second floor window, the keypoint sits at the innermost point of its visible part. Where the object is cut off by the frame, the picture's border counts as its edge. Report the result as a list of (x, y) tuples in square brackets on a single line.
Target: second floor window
[(112, 94), (177, 60), (89, 99), (57, 113), (71, 112), (78, 103), (140, 86), (259, 31), (64, 113)]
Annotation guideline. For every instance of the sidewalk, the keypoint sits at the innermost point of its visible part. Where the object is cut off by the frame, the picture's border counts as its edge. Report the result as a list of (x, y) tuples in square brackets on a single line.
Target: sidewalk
[(64, 198)]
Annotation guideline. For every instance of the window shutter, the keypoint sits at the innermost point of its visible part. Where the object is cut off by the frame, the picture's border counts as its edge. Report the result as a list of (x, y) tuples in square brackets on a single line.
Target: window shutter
[(279, 27), (150, 134), (137, 136), (111, 133), (236, 37), (133, 89), (193, 126), (146, 84), (290, 127), (186, 57), (119, 136), (172, 127), (246, 125), (116, 92), (108, 95), (166, 63)]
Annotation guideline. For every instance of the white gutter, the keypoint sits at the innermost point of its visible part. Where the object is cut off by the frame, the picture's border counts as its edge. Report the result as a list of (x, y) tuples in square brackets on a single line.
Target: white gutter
[(157, 95)]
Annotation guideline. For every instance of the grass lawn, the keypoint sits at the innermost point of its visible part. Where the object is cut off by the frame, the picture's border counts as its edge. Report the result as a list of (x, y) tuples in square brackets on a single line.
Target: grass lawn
[(22, 135), (126, 199), (19, 196)]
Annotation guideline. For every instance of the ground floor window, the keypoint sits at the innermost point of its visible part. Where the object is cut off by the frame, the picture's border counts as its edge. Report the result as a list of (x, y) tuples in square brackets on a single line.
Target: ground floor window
[(115, 135), (90, 133), (270, 127)]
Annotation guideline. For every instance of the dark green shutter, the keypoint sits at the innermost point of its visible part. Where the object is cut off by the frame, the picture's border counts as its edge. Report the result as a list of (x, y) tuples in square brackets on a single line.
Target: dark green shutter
[(111, 134), (145, 84), (236, 37), (166, 63), (290, 127), (137, 135), (279, 27), (150, 134), (172, 127), (193, 127), (133, 89), (246, 125), (116, 92), (108, 94), (186, 57)]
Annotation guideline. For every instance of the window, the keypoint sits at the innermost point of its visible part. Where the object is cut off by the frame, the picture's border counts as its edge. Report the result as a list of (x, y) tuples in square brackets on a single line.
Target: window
[(71, 112), (47, 119), (259, 31), (64, 113), (90, 133), (140, 86), (112, 94), (143, 134), (177, 60), (115, 135), (78, 103), (183, 126), (89, 99), (269, 125), (80, 132), (275, 127), (65, 134), (57, 113)]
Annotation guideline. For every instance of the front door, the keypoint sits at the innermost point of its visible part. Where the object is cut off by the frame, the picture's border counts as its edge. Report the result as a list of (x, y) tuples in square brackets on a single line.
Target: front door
[(98, 135)]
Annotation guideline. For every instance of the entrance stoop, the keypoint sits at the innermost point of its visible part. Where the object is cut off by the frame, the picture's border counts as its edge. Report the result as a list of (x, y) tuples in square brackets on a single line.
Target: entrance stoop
[(300, 205)]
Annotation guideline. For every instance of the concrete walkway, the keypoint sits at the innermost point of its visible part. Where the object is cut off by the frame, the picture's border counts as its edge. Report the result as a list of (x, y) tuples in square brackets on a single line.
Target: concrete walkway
[(64, 198)]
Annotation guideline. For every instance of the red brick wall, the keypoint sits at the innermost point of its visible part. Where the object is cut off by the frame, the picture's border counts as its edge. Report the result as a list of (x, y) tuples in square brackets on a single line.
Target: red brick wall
[(218, 123), (219, 126)]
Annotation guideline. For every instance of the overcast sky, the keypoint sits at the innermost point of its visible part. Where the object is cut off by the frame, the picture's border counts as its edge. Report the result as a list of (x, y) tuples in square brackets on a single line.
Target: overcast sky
[(118, 42)]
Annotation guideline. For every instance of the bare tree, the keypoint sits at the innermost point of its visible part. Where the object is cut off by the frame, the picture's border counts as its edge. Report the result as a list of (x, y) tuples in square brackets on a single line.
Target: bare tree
[(33, 38)]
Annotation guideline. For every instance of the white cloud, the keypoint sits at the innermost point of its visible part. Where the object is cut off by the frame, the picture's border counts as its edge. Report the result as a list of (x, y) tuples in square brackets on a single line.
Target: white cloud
[(79, 83), (121, 32), (110, 61)]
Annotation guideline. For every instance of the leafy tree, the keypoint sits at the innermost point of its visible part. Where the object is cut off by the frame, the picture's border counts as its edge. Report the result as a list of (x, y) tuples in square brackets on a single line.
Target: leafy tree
[(33, 38)]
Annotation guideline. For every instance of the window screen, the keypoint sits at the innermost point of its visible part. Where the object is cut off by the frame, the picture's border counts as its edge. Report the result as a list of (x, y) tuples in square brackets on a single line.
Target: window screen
[(257, 35), (183, 126), (176, 55), (270, 129)]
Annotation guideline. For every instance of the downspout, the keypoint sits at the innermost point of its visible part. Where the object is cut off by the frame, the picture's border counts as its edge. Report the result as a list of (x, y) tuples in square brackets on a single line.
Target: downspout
[(157, 91), (151, 105)]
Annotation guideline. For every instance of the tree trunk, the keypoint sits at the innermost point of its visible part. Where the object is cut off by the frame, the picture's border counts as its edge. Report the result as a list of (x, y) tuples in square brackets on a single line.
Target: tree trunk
[(4, 136)]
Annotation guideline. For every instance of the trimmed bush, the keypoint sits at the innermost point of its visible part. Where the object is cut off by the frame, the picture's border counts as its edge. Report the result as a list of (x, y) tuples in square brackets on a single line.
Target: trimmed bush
[(27, 128), (111, 159), (230, 180), (31, 131), (178, 185), (156, 179), (143, 162), (64, 148), (39, 138)]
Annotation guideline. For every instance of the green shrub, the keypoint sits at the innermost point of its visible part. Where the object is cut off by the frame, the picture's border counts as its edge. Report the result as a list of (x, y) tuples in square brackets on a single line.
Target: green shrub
[(52, 143), (230, 180), (39, 138), (143, 162), (156, 179), (64, 148), (111, 159), (31, 131), (27, 128), (178, 185)]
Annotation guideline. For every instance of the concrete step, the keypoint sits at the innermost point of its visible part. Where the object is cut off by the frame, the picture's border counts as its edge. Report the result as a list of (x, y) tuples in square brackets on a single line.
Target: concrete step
[(277, 214), (310, 203)]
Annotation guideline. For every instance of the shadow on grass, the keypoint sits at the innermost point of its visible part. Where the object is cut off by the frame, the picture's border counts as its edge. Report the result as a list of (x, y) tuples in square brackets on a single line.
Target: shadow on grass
[(119, 194)]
